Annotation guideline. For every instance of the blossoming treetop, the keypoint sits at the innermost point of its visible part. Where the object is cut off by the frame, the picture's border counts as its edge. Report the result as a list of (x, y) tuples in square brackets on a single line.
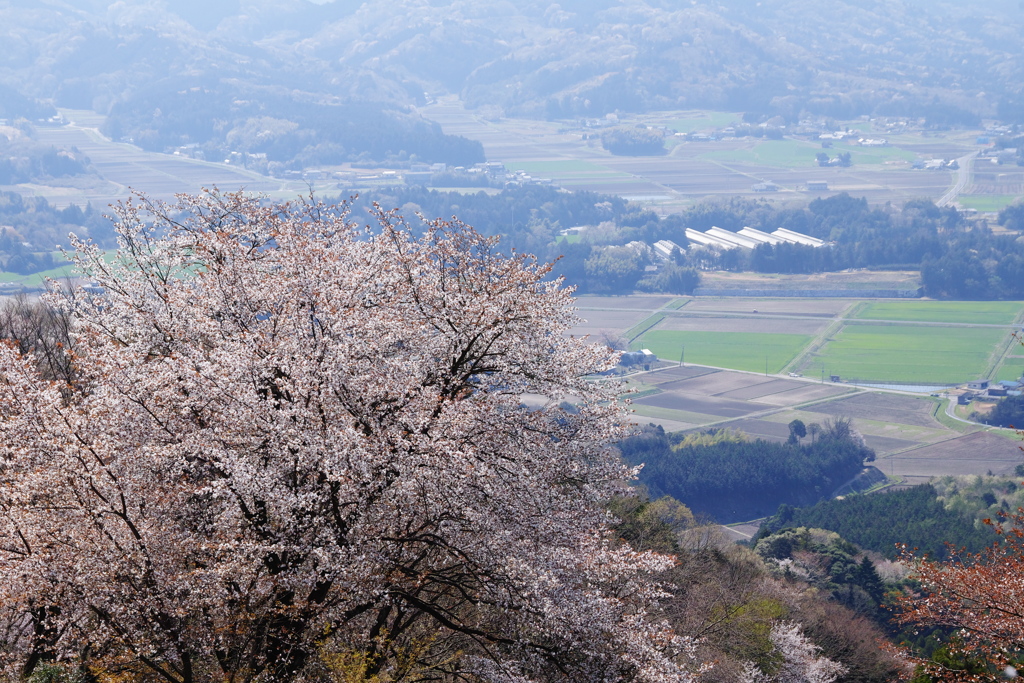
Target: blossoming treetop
[(290, 443)]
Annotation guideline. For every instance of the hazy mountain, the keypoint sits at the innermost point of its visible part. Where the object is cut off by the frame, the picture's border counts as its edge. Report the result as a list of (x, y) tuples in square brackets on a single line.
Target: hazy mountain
[(951, 62)]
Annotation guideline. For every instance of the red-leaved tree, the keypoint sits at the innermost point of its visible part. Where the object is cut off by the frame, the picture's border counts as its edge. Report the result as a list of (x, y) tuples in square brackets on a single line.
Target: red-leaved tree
[(295, 449), (981, 597)]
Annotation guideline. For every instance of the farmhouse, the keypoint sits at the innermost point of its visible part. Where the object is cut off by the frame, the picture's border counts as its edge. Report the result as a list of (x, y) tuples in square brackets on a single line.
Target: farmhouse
[(978, 384)]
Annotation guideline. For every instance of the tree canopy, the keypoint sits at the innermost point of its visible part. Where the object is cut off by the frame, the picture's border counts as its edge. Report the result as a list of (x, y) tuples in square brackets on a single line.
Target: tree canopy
[(292, 447)]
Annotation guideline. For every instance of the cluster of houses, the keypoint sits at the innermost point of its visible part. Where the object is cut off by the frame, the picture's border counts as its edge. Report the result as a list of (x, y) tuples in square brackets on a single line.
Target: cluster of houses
[(983, 388)]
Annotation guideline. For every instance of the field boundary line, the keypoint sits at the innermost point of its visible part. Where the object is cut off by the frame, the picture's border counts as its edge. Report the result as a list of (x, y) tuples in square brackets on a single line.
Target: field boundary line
[(999, 355), (804, 357), (777, 409), (854, 309), (676, 304), (643, 327)]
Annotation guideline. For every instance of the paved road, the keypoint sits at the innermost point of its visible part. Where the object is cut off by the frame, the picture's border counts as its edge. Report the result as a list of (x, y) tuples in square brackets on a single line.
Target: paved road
[(963, 177)]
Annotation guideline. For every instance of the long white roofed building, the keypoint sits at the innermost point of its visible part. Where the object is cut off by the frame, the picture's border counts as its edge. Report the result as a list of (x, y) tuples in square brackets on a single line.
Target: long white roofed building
[(747, 238)]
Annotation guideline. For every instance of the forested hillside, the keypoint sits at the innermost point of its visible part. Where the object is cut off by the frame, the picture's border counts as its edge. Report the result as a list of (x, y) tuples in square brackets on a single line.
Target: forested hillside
[(292, 133), (732, 479), (730, 596), (914, 516), (1009, 412), (947, 513), (30, 228), (786, 58), (919, 235)]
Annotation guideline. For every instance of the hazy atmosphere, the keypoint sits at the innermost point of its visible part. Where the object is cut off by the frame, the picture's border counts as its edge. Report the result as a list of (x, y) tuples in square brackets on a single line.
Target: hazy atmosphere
[(484, 341)]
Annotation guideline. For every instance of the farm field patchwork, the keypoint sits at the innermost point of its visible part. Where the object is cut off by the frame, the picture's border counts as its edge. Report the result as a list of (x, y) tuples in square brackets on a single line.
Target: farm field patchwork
[(825, 308), (556, 166), (736, 350), (883, 407), (908, 353), (975, 312), (801, 154), (696, 169), (902, 429), (975, 453), (737, 324)]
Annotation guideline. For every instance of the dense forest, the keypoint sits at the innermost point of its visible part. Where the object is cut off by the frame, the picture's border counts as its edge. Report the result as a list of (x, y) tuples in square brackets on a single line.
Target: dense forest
[(732, 479), (23, 160), (958, 259), (14, 105), (286, 132), (634, 141), (530, 218), (915, 516)]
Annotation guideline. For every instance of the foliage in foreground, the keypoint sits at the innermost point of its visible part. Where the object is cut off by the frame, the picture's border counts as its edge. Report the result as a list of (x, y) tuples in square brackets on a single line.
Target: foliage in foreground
[(287, 445), (981, 597), (748, 612)]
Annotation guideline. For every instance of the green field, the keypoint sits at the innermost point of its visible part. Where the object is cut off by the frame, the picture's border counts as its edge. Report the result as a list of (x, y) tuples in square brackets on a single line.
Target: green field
[(800, 154), (734, 350), (1012, 369), (872, 155), (908, 353), (977, 312), (986, 202), (38, 279)]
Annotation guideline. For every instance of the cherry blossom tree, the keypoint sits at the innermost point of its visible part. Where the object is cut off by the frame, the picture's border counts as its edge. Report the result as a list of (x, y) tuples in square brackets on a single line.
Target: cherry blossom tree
[(798, 659), (293, 448)]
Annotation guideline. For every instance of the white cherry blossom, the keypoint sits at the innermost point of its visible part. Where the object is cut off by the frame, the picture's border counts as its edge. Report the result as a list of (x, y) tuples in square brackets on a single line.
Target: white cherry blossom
[(296, 443)]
